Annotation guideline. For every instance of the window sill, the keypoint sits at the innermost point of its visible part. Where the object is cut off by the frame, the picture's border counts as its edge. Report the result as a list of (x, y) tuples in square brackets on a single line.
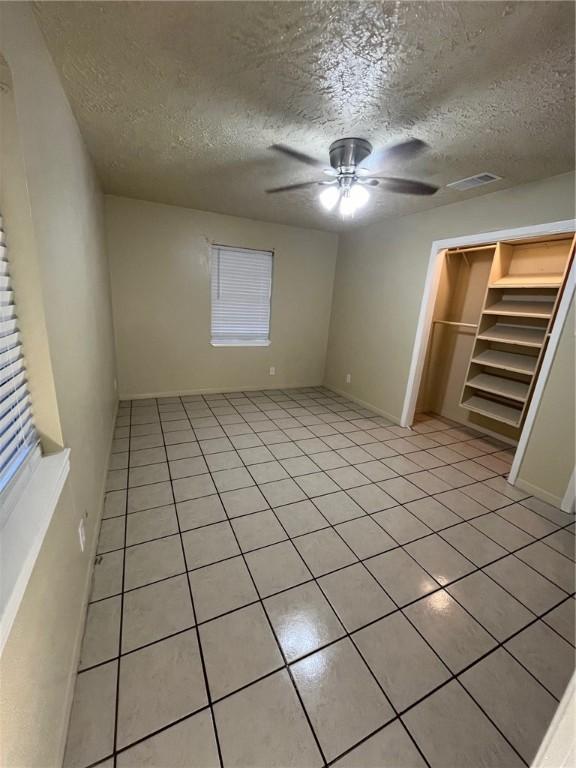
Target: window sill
[(22, 534), (240, 343)]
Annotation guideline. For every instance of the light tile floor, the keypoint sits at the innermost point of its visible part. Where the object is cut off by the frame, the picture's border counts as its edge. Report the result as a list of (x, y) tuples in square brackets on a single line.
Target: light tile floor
[(285, 579)]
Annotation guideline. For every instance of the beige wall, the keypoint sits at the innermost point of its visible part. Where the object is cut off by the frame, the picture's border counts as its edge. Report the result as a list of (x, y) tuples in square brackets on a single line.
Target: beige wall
[(39, 660), (159, 263), (380, 278), (550, 453)]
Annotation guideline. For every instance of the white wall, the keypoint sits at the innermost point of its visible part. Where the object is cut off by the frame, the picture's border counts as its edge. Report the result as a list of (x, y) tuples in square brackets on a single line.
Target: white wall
[(75, 366), (159, 265)]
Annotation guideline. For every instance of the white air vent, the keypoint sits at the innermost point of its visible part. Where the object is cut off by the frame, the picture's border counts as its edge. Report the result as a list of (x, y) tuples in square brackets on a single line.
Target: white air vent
[(474, 181)]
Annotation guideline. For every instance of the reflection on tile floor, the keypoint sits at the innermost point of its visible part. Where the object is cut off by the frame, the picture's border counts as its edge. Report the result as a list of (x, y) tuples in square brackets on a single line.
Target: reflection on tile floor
[(285, 579)]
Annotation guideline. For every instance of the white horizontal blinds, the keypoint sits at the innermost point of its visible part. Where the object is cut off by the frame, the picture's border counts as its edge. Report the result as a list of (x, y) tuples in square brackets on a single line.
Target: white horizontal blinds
[(17, 433), (241, 285)]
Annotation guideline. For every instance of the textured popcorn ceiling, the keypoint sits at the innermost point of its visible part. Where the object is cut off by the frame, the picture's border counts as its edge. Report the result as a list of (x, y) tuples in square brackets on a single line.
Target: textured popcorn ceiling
[(178, 101)]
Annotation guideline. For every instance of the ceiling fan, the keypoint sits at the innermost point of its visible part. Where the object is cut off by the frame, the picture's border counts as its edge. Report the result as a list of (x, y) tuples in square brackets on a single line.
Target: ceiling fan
[(348, 189)]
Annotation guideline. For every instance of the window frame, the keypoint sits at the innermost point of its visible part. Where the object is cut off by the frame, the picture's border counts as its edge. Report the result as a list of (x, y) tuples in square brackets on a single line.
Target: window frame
[(239, 343)]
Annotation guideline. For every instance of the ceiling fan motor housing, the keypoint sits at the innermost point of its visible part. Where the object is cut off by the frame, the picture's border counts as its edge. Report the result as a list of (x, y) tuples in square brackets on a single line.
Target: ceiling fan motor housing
[(346, 154)]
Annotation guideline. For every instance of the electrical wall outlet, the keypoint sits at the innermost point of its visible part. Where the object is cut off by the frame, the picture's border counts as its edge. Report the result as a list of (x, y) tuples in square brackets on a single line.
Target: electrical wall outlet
[(82, 534), (272, 370), (348, 378)]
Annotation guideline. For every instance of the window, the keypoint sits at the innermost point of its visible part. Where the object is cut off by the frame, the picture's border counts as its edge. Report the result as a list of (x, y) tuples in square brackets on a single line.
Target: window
[(241, 286), (17, 433)]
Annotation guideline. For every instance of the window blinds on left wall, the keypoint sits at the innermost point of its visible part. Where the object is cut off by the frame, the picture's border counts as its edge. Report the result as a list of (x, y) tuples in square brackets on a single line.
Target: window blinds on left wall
[(17, 432)]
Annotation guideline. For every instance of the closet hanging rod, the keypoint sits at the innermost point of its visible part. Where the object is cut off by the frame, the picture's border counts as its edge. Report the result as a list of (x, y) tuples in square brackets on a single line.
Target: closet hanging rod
[(454, 322)]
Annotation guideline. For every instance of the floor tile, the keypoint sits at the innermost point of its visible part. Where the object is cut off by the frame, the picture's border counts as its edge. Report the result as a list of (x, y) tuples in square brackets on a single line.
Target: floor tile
[(551, 513), (356, 596), (549, 563), (501, 531), (300, 517), (464, 506), (401, 489), (264, 725), (148, 456), (188, 467), (487, 496), (405, 666), (107, 575), (521, 708), (151, 524), (546, 655), (401, 524), (338, 507), (102, 632), (401, 576), (341, 697), (182, 451), (210, 544), (303, 620), (440, 559), (153, 561), (111, 535), (364, 537), (221, 587), (156, 611), (147, 475), (563, 541), (255, 455), (192, 487), (114, 504), (148, 496), (455, 636), (376, 471), (299, 465), (258, 530), (473, 544), (324, 551), (530, 588), (316, 484), (225, 460), (563, 620), (243, 502), (268, 471), (475, 743), (195, 513), (432, 513), (391, 747), (528, 521), (329, 460), (282, 492), (238, 649), (276, 568), (428, 482), (495, 609), (347, 477), (371, 498), (188, 744), (218, 445), (91, 729), (172, 670), (232, 479)]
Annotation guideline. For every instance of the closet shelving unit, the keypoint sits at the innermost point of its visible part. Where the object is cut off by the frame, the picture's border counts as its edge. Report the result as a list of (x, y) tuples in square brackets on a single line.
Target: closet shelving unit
[(522, 296)]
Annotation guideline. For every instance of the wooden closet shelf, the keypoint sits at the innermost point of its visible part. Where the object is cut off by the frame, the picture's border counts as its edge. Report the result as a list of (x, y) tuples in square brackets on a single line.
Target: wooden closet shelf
[(528, 281), (498, 385), (456, 323), (520, 308), (507, 361), (523, 336), (494, 410)]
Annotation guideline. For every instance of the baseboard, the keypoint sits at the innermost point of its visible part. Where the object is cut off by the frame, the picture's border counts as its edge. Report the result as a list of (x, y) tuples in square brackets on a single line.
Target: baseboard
[(69, 698), (540, 493), (212, 391), (363, 403)]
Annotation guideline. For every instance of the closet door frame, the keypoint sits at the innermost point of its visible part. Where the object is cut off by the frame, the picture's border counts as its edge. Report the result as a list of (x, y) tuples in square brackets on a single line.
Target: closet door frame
[(424, 327)]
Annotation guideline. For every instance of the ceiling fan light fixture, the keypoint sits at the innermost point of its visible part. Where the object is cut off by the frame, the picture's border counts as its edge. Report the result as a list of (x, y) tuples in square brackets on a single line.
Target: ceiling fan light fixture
[(353, 198), (329, 197)]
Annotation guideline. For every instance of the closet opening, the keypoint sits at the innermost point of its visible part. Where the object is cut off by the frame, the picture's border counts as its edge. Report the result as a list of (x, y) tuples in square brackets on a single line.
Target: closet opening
[(493, 314)]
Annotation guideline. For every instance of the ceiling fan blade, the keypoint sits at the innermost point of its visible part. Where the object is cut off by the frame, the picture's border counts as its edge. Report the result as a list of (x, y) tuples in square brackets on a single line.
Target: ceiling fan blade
[(290, 187), (295, 155), (403, 186), (404, 150)]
